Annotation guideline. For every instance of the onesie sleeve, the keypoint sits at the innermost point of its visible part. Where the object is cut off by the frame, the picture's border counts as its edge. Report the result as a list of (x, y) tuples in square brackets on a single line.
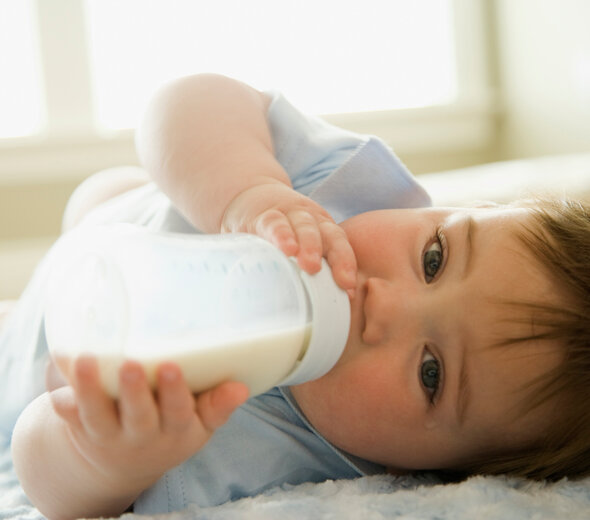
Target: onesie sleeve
[(307, 147)]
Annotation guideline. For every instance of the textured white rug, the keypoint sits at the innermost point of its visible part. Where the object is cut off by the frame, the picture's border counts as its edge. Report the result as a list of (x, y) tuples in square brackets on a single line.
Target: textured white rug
[(385, 497)]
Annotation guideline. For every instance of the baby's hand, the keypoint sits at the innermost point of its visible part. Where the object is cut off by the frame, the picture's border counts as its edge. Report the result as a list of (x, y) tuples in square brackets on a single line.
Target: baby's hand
[(142, 435), (297, 225)]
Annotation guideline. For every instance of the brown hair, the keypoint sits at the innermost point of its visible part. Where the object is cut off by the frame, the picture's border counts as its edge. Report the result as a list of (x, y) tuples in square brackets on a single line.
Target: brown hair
[(559, 237)]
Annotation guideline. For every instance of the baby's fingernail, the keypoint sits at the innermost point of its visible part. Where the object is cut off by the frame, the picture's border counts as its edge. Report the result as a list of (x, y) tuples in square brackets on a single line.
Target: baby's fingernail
[(290, 244), (351, 293), (168, 373), (350, 275), (310, 262), (316, 258), (131, 374)]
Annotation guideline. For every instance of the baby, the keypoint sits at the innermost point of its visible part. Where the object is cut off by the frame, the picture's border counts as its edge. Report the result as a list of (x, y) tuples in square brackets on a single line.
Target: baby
[(467, 351)]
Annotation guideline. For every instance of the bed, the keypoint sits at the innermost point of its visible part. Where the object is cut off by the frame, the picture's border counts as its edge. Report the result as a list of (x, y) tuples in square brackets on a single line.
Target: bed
[(386, 496)]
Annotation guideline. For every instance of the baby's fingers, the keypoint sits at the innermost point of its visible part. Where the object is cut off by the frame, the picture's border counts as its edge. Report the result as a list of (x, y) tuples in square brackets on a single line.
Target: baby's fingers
[(177, 406), (275, 227), (97, 411), (63, 401), (306, 227), (138, 413), (215, 406), (340, 255), (310, 235)]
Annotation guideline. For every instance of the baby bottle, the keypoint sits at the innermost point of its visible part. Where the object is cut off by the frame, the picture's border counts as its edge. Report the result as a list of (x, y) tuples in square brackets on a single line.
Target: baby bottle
[(224, 307)]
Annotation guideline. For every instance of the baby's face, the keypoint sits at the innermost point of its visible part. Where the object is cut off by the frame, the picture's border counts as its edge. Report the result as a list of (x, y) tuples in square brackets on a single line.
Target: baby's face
[(420, 385)]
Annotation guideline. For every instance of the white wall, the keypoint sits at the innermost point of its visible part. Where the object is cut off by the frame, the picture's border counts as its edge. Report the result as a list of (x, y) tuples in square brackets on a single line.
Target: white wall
[(544, 75)]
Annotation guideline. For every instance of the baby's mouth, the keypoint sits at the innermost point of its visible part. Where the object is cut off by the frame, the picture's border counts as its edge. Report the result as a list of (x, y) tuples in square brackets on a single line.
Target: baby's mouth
[(371, 330), (358, 316), (362, 293)]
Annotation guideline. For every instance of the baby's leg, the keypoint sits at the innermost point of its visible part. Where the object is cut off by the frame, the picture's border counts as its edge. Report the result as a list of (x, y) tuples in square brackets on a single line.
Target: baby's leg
[(99, 188)]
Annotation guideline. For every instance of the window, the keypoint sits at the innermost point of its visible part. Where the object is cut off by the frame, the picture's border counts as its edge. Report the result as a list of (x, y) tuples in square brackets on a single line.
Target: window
[(75, 75), (21, 99), (328, 56)]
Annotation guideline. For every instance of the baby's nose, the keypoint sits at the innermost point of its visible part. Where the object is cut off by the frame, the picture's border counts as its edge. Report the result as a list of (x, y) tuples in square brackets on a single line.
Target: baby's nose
[(382, 310)]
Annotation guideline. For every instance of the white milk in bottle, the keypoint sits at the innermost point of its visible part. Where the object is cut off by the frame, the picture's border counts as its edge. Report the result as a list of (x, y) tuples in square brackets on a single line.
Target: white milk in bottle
[(224, 307)]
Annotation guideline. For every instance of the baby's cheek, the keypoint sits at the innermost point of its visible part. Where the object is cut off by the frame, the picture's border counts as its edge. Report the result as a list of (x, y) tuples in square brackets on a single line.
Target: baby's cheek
[(369, 388)]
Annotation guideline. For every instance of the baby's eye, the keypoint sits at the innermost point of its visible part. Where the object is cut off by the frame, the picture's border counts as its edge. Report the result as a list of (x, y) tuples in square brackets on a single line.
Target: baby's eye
[(432, 260), (430, 374)]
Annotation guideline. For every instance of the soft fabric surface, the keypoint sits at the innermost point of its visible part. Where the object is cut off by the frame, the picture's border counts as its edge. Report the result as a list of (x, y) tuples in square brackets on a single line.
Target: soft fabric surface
[(368, 498), (381, 497)]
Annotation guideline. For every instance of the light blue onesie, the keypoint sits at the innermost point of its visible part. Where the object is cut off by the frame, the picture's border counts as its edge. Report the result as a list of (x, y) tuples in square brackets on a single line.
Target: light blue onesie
[(268, 441)]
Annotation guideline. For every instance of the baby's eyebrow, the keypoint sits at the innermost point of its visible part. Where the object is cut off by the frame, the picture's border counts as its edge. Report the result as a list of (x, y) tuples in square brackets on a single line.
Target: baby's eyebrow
[(471, 230), (463, 391), (463, 387)]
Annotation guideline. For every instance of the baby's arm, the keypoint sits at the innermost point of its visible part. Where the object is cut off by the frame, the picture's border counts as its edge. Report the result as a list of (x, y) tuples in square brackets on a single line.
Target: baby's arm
[(78, 453), (205, 140)]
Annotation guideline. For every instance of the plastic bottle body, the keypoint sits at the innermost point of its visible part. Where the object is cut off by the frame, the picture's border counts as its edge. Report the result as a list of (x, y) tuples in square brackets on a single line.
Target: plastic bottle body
[(224, 307)]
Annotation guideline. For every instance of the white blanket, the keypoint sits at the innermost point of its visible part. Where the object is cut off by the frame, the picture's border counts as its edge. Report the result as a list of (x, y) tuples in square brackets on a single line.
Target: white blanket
[(386, 497), (368, 498)]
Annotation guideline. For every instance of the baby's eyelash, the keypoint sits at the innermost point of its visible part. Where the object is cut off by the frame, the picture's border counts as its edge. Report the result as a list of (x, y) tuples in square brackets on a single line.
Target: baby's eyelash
[(442, 239), (434, 256), (430, 375)]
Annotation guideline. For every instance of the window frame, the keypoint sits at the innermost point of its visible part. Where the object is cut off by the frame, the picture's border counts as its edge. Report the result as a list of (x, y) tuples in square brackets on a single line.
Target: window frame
[(71, 148)]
